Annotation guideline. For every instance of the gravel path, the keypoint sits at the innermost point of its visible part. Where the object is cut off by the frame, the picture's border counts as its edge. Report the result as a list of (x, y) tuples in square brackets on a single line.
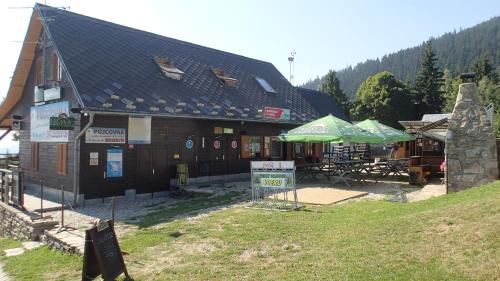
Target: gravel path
[(85, 216)]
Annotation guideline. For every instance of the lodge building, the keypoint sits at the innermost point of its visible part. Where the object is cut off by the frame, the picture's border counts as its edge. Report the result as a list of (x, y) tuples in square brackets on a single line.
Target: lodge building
[(102, 108)]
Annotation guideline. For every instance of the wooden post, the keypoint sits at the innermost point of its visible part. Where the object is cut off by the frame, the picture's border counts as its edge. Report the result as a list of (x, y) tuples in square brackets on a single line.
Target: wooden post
[(113, 210), (62, 206), (41, 199)]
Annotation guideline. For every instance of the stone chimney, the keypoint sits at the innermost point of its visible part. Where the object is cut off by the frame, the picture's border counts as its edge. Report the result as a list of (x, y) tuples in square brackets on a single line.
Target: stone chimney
[(470, 143)]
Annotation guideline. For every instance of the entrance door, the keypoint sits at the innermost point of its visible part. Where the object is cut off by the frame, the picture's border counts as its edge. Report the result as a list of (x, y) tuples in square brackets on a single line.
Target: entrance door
[(160, 173), (152, 169), (232, 155), (217, 149), (144, 169)]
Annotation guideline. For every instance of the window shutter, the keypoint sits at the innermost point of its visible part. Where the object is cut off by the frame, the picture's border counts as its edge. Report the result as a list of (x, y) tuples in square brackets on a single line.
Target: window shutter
[(62, 159), (34, 156)]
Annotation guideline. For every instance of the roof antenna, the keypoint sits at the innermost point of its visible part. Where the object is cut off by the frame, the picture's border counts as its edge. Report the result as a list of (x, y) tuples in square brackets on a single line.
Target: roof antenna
[(291, 59)]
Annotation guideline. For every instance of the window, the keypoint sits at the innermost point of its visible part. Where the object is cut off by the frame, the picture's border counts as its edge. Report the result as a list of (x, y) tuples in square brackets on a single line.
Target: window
[(298, 149), (267, 147), (250, 147), (168, 68), (265, 86), (276, 148), (34, 156), (228, 81), (55, 67), (39, 71), (62, 158)]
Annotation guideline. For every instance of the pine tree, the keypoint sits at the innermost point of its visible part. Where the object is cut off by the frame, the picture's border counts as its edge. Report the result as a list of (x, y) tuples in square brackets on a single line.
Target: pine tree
[(429, 95), (483, 68), (331, 86)]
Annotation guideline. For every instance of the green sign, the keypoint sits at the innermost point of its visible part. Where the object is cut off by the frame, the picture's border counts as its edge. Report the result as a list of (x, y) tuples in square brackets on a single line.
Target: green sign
[(62, 122)]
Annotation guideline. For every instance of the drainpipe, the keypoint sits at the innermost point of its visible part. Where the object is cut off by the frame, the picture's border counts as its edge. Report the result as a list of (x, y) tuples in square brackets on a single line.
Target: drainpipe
[(76, 158)]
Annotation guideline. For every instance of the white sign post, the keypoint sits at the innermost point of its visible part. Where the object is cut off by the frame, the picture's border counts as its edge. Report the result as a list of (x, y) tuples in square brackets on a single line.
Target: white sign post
[(271, 183)]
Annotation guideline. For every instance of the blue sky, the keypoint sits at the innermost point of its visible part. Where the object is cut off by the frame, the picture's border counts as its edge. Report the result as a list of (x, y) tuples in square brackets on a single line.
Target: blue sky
[(325, 34)]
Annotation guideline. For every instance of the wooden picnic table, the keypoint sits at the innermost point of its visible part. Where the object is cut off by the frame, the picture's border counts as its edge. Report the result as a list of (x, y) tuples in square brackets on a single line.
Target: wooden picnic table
[(310, 169), (394, 166)]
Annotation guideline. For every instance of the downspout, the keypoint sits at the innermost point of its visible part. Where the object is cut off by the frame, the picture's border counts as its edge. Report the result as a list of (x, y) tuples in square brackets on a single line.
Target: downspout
[(76, 158)]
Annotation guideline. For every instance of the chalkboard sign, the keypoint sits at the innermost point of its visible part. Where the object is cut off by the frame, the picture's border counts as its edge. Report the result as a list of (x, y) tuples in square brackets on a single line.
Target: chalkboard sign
[(102, 253)]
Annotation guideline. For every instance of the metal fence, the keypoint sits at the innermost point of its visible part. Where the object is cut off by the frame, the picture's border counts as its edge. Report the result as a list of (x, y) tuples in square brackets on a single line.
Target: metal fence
[(12, 187)]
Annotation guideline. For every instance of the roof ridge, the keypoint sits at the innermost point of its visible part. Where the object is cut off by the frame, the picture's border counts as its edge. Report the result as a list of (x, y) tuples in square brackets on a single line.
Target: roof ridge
[(155, 35)]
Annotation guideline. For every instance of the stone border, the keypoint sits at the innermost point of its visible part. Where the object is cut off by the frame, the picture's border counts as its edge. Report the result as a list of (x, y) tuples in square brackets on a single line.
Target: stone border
[(18, 224)]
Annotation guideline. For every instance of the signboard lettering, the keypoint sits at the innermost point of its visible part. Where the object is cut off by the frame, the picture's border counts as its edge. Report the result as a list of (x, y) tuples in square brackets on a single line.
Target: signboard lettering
[(40, 122), (105, 135), (276, 113)]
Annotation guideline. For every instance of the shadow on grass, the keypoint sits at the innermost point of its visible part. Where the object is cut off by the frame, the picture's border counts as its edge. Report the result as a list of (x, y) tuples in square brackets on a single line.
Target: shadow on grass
[(189, 207)]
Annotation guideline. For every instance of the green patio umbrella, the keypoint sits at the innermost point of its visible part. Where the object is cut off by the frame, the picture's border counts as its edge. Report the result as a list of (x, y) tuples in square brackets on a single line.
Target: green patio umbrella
[(389, 134), (330, 129)]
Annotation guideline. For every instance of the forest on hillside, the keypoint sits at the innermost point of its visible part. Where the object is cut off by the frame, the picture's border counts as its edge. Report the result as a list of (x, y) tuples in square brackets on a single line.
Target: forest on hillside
[(456, 52)]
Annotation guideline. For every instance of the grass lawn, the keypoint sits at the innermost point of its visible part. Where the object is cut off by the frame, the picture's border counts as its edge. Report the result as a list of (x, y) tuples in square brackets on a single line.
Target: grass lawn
[(453, 237)]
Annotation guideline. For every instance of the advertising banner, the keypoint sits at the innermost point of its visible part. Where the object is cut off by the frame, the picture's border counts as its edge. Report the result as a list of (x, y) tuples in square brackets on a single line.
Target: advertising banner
[(115, 163), (139, 130), (276, 113), (40, 122), (105, 135)]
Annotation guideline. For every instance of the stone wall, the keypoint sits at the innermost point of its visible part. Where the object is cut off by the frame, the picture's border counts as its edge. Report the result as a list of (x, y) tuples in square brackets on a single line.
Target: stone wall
[(470, 143), (17, 224)]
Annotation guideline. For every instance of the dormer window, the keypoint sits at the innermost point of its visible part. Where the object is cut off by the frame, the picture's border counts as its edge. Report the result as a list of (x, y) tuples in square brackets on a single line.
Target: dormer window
[(168, 69), (228, 81), (265, 86)]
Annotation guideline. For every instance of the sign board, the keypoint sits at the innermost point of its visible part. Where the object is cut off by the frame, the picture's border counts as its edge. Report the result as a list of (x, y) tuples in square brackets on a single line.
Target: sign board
[(139, 130), (62, 122), (272, 165), (269, 179), (228, 130), (234, 144), (38, 95), (94, 158), (276, 113), (115, 163), (52, 94), (105, 135), (189, 144), (217, 144), (40, 122), (218, 130), (102, 255)]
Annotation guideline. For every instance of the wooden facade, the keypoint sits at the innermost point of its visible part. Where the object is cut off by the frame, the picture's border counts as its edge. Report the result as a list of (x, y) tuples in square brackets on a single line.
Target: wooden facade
[(149, 168)]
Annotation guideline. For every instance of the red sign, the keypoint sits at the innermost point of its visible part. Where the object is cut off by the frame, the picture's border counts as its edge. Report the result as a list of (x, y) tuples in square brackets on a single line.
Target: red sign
[(216, 144), (276, 113), (234, 144)]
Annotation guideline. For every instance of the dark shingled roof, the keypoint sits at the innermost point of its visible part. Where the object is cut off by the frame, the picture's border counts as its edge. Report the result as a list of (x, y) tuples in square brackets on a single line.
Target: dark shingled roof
[(322, 103), (106, 59)]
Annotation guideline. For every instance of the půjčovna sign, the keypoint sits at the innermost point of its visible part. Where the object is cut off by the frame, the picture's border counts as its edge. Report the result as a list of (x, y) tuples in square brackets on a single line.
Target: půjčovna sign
[(105, 135)]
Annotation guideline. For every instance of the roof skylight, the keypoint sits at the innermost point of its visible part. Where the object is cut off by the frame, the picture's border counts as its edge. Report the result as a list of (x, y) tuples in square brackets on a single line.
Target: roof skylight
[(263, 83), (168, 69)]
